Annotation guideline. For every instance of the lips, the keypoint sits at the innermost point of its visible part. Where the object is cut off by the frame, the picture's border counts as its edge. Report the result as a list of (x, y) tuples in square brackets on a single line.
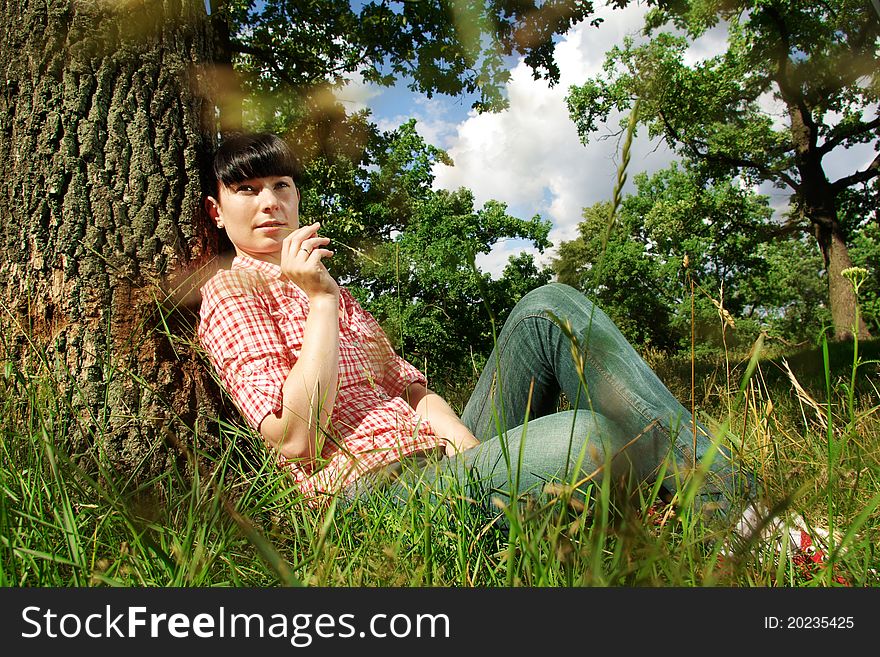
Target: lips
[(272, 224)]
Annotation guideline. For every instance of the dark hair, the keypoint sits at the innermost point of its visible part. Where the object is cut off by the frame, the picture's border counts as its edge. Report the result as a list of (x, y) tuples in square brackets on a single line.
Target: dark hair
[(253, 155)]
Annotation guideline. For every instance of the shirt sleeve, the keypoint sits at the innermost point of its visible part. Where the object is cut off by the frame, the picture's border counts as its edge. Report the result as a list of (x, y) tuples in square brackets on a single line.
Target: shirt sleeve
[(244, 344), (392, 373)]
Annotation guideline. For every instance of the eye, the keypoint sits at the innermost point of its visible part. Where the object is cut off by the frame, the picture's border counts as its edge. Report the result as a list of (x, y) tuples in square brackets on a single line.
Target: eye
[(244, 188), (282, 185)]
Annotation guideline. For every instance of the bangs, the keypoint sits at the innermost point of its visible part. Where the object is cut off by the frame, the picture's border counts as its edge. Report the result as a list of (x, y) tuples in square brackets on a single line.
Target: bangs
[(243, 157)]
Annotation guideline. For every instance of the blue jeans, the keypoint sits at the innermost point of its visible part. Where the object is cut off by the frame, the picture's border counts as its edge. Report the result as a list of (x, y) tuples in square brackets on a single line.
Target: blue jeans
[(624, 422)]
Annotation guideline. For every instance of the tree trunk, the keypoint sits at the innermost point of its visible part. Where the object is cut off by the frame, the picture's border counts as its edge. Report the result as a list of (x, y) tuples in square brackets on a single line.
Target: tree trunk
[(104, 130), (817, 197), (841, 295)]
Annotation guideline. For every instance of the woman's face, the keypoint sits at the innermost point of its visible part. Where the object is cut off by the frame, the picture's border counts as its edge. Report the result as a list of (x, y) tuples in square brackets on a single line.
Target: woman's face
[(257, 214)]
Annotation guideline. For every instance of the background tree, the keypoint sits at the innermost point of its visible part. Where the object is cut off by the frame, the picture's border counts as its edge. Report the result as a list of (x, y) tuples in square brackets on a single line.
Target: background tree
[(726, 234), (818, 60), (860, 213), (621, 276)]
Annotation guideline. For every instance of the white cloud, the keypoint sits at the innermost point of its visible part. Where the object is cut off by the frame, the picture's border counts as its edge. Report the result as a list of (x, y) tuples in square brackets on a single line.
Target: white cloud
[(495, 261), (711, 43), (530, 156), (356, 94)]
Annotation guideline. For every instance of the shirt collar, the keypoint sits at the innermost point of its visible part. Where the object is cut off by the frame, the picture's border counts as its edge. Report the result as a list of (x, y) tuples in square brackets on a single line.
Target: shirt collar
[(271, 270)]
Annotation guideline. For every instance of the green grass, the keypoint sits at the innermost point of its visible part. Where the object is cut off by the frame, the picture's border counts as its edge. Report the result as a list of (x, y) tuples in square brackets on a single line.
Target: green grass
[(235, 520)]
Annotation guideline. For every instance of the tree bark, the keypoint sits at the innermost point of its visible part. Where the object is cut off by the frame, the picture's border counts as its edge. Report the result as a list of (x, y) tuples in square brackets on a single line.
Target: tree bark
[(842, 297), (105, 126)]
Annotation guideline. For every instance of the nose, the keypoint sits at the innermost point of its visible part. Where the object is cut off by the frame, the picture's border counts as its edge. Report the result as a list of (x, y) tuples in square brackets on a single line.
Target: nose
[(268, 200)]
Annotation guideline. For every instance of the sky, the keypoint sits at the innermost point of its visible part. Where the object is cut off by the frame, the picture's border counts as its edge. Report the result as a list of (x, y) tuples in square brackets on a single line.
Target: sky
[(529, 156)]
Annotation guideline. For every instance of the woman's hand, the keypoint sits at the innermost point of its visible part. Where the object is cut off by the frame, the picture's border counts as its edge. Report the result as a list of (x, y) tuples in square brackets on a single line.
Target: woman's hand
[(459, 441), (301, 262)]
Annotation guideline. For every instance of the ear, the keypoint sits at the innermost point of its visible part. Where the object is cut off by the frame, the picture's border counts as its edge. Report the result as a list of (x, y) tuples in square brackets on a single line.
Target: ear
[(212, 207)]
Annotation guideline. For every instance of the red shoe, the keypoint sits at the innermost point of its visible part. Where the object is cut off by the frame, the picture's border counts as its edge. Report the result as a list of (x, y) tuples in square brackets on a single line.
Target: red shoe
[(808, 555)]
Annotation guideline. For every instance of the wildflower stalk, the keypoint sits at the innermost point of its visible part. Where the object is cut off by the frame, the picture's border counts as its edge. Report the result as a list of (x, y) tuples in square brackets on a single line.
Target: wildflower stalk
[(831, 443), (621, 171), (693, 361)]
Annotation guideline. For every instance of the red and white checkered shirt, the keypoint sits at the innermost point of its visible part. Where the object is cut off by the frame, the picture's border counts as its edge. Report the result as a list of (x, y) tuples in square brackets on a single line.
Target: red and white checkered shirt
[(251, 326)]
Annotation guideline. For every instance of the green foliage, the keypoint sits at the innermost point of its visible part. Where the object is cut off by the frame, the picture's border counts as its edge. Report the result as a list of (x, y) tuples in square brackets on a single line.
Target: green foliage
[(440, 46), (726, 235), (859, 212), (790, 300), (624, 280)]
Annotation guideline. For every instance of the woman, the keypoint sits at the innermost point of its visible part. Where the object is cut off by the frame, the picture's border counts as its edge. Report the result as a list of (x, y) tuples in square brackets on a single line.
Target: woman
[(316, 376)]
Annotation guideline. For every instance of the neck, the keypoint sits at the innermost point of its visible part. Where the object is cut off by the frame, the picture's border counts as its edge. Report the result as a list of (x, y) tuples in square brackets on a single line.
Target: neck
[(273, 258)]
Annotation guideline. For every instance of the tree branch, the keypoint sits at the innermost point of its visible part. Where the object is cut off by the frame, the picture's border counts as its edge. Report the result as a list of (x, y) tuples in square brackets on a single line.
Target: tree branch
[(791, 95), (266, 58), (728, 160), (872, 171), (838, 139)]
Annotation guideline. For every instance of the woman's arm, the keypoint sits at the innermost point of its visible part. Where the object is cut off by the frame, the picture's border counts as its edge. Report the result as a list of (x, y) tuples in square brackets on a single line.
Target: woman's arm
[(443, 420), (400, 379), (309, 391)]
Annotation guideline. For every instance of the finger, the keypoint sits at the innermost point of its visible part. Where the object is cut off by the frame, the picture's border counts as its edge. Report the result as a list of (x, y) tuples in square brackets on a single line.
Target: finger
[(313, 243), (297, 237), (298, 242), (318, 254), (306, 250)]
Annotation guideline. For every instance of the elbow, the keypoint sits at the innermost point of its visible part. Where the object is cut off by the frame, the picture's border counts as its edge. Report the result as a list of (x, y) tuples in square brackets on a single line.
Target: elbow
[(292, 442), (299, 446)]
